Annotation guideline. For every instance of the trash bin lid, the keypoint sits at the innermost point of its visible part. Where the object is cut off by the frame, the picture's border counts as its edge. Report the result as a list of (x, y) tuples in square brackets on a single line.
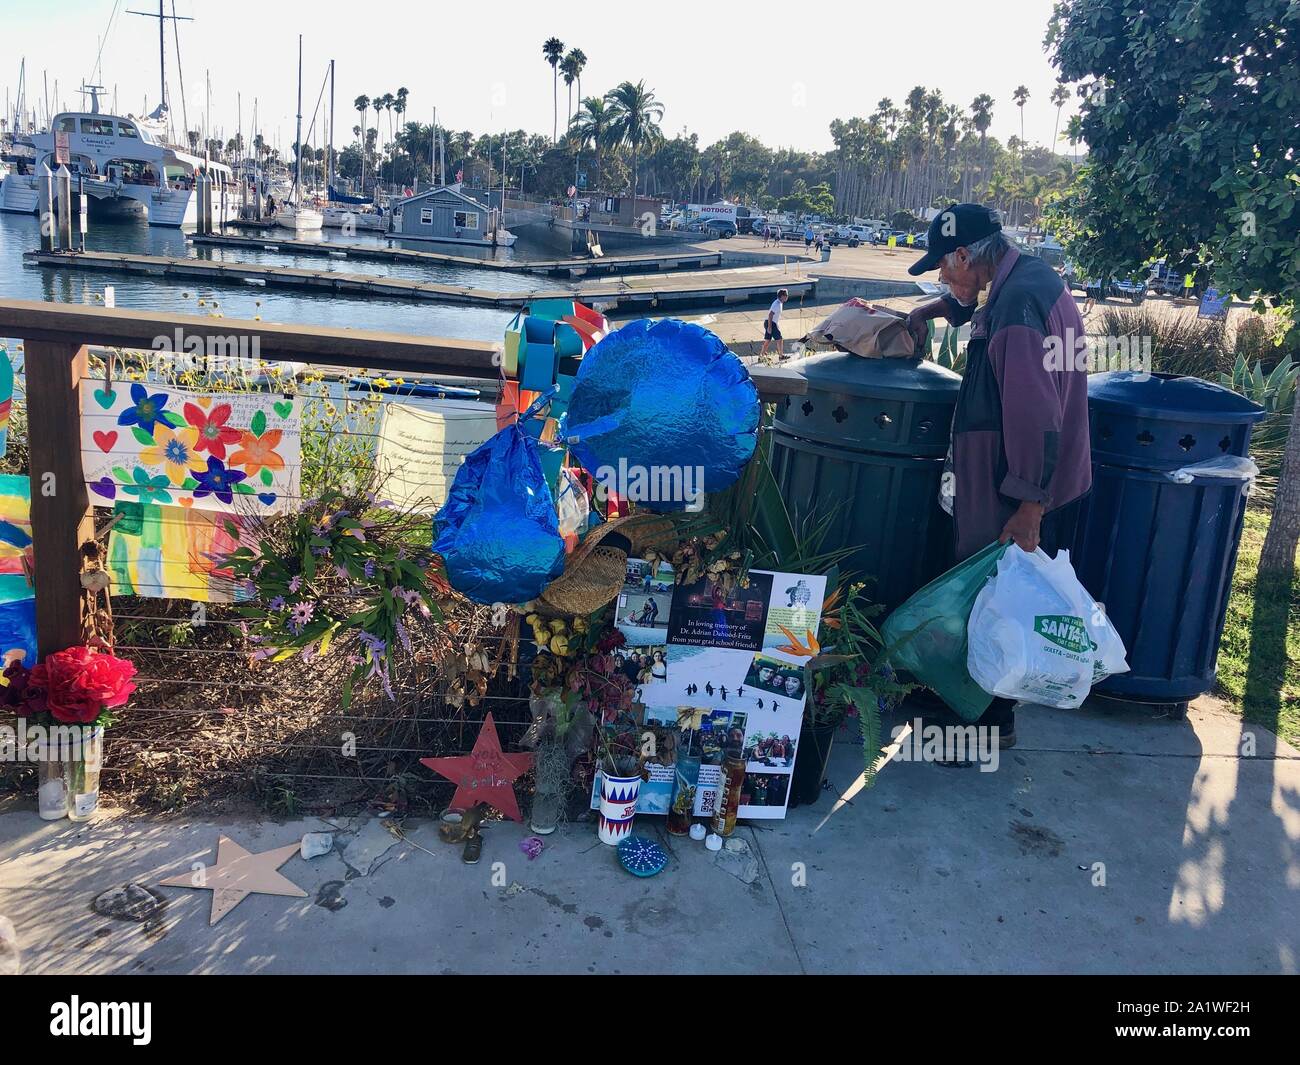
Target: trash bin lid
[(902, 379), (1169, 397)]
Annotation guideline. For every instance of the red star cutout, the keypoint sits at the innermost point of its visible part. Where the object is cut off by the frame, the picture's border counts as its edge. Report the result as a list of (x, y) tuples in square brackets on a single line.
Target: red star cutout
[(486, 774)]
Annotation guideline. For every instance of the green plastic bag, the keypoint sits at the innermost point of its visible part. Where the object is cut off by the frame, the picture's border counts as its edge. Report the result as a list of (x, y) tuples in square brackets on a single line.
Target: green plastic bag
[(926, 636)]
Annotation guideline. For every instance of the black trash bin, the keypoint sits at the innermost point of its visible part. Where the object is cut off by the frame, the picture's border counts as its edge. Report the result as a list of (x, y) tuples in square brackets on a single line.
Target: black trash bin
[(1157, 547), (867, 445)]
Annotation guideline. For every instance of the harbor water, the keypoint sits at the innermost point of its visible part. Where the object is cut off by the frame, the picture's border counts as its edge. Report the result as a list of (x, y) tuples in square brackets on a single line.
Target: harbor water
[(20, 233)]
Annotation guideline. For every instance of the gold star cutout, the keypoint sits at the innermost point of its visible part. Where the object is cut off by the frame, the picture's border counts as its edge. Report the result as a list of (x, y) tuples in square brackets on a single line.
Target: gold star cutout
[(238, 874)]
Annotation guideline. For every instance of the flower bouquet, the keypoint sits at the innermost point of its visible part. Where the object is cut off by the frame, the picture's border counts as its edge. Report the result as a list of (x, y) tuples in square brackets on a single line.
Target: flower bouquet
[(66, 700), (348, 571)]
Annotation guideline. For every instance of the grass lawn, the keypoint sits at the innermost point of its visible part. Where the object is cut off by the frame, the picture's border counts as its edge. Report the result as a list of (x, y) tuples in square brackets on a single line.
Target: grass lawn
[(1259, 659)]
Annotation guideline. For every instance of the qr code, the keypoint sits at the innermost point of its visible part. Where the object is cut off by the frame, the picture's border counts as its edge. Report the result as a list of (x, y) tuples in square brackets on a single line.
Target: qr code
[(708, 801)]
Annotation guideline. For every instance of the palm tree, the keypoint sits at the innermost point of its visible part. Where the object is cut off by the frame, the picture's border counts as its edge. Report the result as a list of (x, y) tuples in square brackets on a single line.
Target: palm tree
[(553, 52), (577, 60), (362, 104), (570, 76), (591, 128), (981, 109), (399, 109), (636, 117), (1059, 95), (1021, 97)]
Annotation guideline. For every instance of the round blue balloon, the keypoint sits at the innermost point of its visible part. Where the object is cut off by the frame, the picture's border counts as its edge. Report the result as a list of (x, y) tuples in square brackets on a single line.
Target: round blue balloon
[(654, 402)]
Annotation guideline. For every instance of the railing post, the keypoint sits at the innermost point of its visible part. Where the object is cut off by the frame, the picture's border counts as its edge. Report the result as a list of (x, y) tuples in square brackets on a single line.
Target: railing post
[(61, 513)]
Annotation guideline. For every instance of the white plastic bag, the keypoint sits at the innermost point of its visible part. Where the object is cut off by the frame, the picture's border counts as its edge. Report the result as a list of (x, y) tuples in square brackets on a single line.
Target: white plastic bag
[(1036, 634), (573, 508)]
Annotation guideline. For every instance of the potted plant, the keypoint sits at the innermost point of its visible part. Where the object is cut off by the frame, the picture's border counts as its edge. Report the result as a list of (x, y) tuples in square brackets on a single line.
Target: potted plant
[(853, 679), (68, 697)]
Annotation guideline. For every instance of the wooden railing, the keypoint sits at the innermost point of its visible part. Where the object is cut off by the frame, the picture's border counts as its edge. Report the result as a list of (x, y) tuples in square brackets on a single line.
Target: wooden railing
[(55, 339)]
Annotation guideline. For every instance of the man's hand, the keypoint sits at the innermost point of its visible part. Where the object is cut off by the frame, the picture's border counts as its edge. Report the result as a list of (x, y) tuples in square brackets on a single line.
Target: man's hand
[(1023, 526), (918, 325)]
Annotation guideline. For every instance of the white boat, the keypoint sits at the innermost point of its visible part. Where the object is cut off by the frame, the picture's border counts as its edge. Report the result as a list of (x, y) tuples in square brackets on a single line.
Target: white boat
[(299, 219), (359, 219), (296, 214), (125, 167)]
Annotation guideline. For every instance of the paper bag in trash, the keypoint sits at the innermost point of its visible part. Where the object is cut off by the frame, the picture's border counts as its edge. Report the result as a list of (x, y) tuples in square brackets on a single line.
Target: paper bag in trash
[(874, 334)]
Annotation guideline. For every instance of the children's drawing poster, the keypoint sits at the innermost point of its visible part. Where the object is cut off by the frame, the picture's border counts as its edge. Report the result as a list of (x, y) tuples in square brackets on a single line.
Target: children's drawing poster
[(15, 522), (233, 452), (735, 677), (174, 553)]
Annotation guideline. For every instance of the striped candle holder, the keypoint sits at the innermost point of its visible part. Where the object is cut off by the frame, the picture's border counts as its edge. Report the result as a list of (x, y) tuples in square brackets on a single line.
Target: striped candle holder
[(618, 797)]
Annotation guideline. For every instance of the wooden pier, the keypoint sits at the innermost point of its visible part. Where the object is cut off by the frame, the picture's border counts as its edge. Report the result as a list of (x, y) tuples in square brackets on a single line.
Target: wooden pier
[(620, 294), (562, 268)]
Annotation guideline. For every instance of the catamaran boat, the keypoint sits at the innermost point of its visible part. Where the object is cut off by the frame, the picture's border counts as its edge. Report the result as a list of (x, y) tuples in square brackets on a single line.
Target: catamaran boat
[(125, 167)]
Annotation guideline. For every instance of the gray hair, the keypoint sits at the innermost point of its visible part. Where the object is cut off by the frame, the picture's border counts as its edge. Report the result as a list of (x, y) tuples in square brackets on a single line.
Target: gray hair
[(987, 251)]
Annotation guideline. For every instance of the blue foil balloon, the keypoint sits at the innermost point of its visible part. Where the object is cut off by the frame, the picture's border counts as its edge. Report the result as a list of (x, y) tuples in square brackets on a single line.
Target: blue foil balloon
[(660, 396), (498, 532)]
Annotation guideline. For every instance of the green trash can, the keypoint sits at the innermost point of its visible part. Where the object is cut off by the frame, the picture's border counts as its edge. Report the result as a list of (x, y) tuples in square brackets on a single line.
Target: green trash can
[(867, 446)]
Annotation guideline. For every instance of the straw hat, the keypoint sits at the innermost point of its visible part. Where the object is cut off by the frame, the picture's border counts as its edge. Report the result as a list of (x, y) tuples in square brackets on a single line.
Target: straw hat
[(597, 568)]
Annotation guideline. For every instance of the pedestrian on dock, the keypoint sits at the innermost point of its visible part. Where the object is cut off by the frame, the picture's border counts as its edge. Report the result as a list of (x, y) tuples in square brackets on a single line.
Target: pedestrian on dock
[(772, 324)]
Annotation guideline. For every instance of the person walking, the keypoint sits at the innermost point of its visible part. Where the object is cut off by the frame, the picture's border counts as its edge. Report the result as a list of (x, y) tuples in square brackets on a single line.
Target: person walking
[(772, 324)]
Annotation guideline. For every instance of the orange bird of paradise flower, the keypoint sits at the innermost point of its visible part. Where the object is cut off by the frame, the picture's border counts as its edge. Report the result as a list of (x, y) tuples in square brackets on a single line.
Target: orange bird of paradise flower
[(794, 647)]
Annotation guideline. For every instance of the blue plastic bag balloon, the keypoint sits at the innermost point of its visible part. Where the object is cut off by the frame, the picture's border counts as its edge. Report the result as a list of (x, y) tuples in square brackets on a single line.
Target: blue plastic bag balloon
[(498, 532), (657, 401)]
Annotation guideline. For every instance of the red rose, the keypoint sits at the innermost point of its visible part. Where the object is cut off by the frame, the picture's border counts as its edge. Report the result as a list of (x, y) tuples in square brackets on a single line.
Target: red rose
[(78, 684)]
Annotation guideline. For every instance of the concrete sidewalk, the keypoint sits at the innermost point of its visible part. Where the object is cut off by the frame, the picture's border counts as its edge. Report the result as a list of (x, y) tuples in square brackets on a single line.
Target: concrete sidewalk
[(933, 870)]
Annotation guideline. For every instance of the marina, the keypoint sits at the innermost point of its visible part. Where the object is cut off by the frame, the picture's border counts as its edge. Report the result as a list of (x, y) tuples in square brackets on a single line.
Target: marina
[(567, 268), (701, 288)]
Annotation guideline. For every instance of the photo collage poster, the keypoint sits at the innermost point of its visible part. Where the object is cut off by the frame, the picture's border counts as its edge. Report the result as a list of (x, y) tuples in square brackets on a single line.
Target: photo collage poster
[(716, 669)]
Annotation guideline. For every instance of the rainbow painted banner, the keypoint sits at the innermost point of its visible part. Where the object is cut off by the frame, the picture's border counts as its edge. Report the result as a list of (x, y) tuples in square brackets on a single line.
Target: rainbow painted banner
[(161, 552), (6, 398), (15, 522)]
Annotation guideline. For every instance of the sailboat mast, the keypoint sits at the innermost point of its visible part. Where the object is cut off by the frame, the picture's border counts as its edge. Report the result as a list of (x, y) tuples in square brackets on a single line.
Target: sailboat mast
[(329, 152), (297, 140), (162, 53)]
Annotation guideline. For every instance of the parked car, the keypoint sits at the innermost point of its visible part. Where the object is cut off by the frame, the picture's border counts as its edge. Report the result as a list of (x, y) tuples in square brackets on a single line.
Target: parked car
[(852, 235), (1133, 289), (719, 227)]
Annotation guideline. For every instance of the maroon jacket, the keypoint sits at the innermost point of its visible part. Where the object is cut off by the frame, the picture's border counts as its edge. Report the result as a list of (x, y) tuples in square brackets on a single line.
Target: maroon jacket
[(1020, 430)]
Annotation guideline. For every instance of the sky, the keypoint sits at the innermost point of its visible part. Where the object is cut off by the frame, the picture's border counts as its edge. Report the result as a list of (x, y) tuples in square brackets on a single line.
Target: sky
[(719, 67)]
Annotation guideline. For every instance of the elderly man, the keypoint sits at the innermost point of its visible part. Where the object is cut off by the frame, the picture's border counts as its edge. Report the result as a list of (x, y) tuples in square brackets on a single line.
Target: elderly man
[(1019, 462)]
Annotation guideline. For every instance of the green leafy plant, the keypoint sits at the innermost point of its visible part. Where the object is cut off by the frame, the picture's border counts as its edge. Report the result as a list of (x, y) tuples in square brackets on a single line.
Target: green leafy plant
[(345, 569)]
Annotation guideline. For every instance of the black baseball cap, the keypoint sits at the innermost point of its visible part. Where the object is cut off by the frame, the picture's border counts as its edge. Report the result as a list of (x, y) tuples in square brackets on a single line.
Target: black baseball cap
[(958, 226)]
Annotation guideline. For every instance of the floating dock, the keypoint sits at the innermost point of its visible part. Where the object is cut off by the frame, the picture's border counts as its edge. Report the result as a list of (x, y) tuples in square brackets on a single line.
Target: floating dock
[(707, 288), (566, 268)]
